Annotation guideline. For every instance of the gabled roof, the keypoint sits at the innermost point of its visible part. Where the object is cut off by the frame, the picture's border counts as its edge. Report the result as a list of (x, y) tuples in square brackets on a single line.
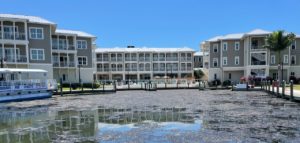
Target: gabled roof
[(232, 36), (143, 49), (73, 32), (32, 19), (258, 32), (214, 39)]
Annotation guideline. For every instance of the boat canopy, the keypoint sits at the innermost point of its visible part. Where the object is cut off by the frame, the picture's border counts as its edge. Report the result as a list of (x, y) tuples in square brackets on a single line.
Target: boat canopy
[(16, 70)]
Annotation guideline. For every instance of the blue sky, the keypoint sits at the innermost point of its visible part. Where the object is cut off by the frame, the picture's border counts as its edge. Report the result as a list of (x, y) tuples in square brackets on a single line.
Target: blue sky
[(161, 23)]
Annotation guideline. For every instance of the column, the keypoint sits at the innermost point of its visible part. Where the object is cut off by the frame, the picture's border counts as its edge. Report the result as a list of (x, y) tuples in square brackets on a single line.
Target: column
[(14, 32), (27, 54), (2, 30), (3, 51), (25, 27), (15, 53)]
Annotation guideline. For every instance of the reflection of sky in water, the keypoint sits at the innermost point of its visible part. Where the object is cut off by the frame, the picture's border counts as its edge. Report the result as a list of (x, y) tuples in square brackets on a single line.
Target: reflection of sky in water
[(149, 130)]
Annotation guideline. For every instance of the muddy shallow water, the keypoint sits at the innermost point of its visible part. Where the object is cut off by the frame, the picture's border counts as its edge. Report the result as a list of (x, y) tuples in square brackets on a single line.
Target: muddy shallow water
[(161, 116)]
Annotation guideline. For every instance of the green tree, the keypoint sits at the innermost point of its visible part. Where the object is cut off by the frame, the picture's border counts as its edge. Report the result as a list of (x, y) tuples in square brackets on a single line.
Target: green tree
[(198, 74), (279, 41)]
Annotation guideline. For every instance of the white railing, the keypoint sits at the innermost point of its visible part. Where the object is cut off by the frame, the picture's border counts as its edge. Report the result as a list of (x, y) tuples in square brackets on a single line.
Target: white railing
[(15, 85)]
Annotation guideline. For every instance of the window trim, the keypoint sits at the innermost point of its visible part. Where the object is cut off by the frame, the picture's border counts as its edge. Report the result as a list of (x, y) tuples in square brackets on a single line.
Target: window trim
[(235, 48), (285, 57), (226, 61), (237, 57), (225, 43), (215, 46), (295, 59), (81, 41), (36, 34), (82, 57), (271, 61), (215, 59), (37, 54), (295, 45)]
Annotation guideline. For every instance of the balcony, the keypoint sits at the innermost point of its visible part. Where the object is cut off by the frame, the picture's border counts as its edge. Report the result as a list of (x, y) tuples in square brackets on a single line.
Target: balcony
[(19, 59), (10, 36), (63, 64), (63, 47), (172, 59)]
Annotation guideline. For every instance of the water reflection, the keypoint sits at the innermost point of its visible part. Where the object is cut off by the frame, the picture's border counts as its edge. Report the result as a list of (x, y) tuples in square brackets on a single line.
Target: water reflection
[(99, 125)]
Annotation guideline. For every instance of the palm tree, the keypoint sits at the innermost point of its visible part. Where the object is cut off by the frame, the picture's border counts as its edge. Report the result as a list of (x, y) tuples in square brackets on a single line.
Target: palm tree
[(277, 42)]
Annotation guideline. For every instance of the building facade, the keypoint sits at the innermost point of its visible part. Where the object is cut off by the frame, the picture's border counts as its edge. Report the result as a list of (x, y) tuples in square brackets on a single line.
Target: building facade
[(242, 55), (143, 63), (36, 43)]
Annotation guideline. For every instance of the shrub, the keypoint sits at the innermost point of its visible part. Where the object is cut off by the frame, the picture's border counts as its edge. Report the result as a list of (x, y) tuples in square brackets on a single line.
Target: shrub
[(227, 83), (215, 82), (293, 78)]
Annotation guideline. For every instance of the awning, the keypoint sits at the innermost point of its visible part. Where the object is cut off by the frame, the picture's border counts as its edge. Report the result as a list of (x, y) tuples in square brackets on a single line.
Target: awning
[(15, 70)]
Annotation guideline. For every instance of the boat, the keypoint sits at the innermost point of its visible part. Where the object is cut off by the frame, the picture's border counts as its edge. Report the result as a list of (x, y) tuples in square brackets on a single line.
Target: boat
[(25, 84)]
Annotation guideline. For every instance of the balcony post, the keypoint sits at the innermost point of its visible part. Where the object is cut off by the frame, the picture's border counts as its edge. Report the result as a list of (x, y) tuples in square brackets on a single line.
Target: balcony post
[(2, 30), (14, 30), (26, 35), (15, 53), (27, 53), (57, 41)]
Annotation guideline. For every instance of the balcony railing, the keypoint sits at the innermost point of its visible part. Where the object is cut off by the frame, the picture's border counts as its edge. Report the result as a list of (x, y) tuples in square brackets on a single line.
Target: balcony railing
[(10, 35), (63, 47), (19, 59), (63, 64), (172, 59)]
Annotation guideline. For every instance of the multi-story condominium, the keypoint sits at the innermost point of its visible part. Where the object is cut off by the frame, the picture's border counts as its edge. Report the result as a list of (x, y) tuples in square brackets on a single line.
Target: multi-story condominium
[(143, 63), (242, 55), (32, 42)]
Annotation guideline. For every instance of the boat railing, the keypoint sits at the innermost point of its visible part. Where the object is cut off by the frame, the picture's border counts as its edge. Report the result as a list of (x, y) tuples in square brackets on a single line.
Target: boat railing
[(33, 84)]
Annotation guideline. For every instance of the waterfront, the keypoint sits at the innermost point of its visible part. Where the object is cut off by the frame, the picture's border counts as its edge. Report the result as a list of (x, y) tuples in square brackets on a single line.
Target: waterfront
[(160, 116)]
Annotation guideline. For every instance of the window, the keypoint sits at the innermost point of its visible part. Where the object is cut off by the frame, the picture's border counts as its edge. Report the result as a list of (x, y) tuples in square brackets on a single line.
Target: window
[(82, 61), (81, 44), (275, 76), (273, 59), (294, 45), (236, 60), (286, 59), (292, 73), (229, 76), (215, 62), (225, 46), (224, 60), (293, 59), (237, 46), (215, 76), (37, 54), (36, 33), (215, 47)]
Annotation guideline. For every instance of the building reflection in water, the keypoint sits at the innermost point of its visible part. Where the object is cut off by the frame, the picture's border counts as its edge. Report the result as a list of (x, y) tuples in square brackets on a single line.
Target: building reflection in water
[(41, 125)]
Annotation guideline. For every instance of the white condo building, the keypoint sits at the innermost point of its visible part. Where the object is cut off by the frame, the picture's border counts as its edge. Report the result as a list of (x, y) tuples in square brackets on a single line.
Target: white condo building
[(143, 63)]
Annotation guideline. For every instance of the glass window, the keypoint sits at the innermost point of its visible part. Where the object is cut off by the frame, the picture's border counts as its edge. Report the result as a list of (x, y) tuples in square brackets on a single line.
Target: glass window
[(237, 46), (81, 44), (286, 59), (215, 47), (82, 61), (215, 62), (36, 33), (294, 45), (224, 60), (37, 54), (225, 46), (236, 60), (293, 60), (273, 59)]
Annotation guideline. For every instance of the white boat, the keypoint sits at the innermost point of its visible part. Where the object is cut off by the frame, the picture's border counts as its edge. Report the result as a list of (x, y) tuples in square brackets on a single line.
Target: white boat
[(18, 84)]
